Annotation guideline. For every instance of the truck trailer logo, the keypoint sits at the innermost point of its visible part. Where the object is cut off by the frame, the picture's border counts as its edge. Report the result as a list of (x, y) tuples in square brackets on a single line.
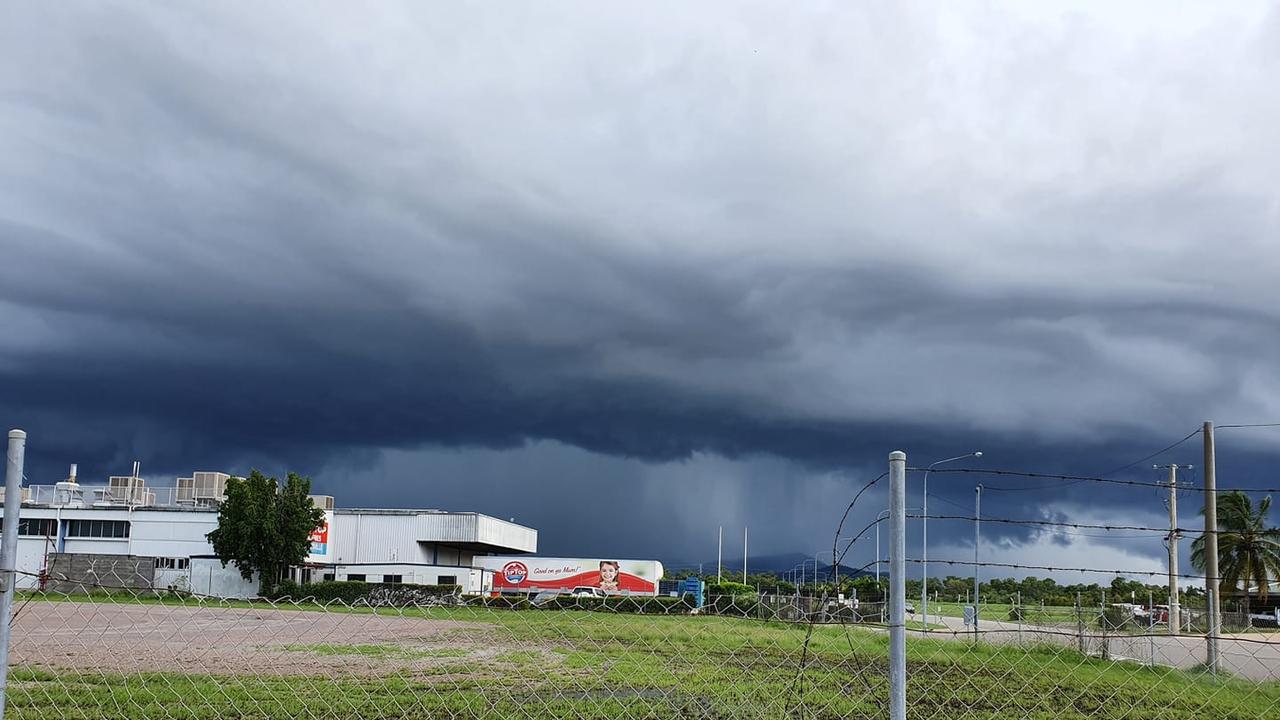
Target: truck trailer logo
[(515, 572)]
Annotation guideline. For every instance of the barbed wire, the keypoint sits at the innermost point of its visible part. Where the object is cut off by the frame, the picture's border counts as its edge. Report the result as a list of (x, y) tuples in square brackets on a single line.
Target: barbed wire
[(835, 541), (1080, 526), (1054, 568)]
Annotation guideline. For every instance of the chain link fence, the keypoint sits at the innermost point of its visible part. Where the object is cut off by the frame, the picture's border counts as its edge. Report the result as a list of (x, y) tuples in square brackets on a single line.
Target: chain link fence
[(105, 650)]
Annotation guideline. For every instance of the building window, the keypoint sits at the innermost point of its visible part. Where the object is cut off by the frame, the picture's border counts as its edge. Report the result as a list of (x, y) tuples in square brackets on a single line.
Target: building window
[(98, 528), (447, 580), (355, 578), (35, 527), (327, 577), (172, 563), (393, 579)]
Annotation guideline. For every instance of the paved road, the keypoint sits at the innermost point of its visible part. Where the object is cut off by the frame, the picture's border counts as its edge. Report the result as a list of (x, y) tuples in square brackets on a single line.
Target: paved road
[(1252, 656)]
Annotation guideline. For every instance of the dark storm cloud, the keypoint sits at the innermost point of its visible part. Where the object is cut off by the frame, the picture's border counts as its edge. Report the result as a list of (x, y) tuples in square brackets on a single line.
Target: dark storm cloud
[(298, 238)]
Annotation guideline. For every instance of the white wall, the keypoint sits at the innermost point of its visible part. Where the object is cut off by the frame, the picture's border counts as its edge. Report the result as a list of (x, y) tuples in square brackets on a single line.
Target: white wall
[(176, 579), (475, 528), (31, 553), (208, 577), (470, 579), (372, 537), (171, 534)]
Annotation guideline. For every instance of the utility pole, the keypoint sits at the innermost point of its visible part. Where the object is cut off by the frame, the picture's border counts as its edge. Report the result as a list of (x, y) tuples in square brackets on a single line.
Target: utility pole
[(1211, 584), (1174, 613), (16, 455), (744, 554), (719, 553)]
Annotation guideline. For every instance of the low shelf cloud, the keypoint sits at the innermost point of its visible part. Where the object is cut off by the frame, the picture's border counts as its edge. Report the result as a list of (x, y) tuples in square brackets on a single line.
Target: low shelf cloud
[(647, 279)]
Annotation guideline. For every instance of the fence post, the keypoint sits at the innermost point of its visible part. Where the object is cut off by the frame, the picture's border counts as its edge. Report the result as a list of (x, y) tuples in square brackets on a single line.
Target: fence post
[(9, 549), (1080, 624), (897, 585), (1102, 620), (1212, 655), (1151, 625), (1019, 617)]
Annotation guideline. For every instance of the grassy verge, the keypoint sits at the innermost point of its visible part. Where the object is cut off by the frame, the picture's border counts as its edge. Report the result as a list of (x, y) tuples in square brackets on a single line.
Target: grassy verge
[(573, 664), (1000, 611)]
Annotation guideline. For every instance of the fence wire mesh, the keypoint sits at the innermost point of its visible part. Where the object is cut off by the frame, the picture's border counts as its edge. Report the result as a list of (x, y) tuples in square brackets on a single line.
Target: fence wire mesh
[(92, 647)]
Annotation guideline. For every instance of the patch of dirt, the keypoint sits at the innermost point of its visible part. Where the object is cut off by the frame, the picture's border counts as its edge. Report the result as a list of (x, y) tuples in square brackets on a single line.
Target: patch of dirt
[(123, 638)]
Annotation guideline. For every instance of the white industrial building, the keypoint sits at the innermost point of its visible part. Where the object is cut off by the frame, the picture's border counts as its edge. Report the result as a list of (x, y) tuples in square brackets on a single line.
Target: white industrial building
[(164, 528)]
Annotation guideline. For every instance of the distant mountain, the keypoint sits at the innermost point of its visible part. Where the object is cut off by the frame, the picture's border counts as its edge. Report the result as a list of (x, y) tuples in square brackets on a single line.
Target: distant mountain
[(780, 565)]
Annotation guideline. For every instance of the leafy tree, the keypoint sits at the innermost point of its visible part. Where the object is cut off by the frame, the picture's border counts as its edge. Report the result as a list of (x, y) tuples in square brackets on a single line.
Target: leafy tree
[(264, 527), (1248, 551)]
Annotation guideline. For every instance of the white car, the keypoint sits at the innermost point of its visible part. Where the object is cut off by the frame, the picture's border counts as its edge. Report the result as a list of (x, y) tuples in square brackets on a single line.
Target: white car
[(587, 591)]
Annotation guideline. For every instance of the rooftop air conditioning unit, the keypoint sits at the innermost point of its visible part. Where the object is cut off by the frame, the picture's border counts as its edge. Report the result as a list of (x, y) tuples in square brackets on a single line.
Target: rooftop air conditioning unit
[(202, 488), (324, 502), (24, 493), (129, 490)]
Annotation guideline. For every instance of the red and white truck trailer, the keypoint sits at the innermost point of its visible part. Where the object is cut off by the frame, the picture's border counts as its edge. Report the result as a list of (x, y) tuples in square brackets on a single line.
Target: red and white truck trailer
[(514, 573)]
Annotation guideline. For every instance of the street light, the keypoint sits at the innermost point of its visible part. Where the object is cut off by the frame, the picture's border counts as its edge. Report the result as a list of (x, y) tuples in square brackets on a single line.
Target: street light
[(924, 553), (883, 514)]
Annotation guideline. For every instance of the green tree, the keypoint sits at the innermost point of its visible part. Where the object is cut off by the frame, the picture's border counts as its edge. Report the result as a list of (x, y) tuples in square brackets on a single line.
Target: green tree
[(265, 527), (1248, 551)]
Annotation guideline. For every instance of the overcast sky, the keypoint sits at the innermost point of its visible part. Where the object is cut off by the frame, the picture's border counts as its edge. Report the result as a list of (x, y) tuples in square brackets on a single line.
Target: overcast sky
[(630, 274)]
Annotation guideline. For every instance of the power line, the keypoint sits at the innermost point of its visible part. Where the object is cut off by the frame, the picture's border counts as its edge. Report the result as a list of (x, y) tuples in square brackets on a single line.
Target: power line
[(1075, 479), (1157, 453)]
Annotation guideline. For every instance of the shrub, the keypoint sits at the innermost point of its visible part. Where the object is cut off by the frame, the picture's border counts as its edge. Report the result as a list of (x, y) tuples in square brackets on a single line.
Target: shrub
[(729, 588), (639, 604), (740, 605), (350, 593), (1114, 618)]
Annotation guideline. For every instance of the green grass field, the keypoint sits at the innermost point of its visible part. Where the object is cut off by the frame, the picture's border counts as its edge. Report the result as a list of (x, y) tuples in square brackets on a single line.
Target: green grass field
[(572, 664), (1000, 611)]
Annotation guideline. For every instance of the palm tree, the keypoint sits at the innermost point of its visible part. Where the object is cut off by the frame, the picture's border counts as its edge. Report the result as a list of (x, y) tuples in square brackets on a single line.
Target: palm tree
[(1248, 551)]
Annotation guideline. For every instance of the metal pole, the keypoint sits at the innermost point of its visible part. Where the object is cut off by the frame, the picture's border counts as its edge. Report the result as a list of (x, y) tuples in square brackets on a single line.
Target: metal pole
[(1080, 623), (1019, 616), (877, 554), (1211, 545), (1173, 551), (1213, 640), (897, 585), (9, 549), (744, 554), (924, 553), (1151, 626), (719, 553), (977, 531)]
